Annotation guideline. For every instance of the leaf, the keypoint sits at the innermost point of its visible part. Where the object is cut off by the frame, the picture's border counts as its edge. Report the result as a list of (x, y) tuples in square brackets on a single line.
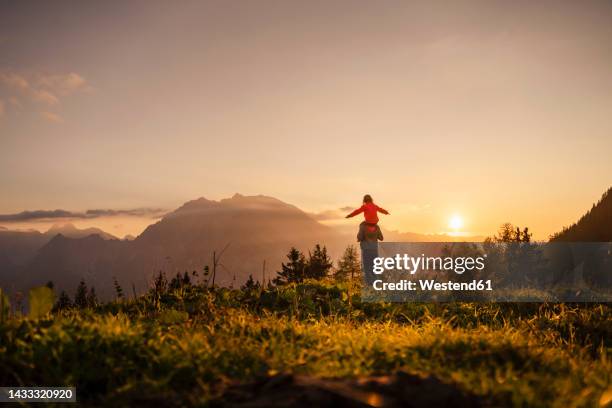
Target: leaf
[(41, 301), (172, 316)]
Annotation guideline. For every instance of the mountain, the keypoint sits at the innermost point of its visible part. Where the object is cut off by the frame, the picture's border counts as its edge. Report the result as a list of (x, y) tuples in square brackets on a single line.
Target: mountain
[(70, 231), (243, 230), (251, 228), (594, 226), (19, 248)]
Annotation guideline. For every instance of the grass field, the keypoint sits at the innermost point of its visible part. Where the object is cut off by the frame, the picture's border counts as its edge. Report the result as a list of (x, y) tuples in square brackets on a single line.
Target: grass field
[(188, 345)]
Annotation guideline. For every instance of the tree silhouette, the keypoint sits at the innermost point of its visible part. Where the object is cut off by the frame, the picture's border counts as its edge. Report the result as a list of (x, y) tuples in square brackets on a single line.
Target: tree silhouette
[(118, 288), (292, 271), (92, 298), (349, 265), (250, 284), (319, 263), (80, 298), (63, 302)]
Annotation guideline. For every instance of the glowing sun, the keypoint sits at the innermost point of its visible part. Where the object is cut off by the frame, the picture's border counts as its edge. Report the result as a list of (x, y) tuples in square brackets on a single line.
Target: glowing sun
[(455, 222)]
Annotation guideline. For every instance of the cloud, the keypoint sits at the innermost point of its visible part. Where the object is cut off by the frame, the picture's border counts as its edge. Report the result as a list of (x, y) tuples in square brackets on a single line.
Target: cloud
[(95, 213), (134, 212), (46, 89), (64, 84), (2, 108), (14, 81), (329, 215), (44, 97), (337, 214), (52, 117), (15, 102)]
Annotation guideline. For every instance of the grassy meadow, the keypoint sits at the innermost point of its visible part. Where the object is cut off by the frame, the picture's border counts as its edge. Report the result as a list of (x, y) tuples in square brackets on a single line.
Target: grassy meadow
[(187, 345)]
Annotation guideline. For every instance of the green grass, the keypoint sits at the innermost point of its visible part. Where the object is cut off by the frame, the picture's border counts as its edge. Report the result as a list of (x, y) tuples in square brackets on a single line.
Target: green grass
[(185, 346)]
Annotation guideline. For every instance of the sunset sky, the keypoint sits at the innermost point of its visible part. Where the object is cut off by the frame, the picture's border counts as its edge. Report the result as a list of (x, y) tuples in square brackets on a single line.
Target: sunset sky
[(487, 111)]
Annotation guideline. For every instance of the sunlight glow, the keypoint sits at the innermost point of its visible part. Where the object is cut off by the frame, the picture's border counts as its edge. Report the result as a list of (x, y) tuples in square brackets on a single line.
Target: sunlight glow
[(455, 222)]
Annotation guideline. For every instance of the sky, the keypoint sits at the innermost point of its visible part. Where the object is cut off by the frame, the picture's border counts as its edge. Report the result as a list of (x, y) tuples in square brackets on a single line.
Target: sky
[(487, 111)]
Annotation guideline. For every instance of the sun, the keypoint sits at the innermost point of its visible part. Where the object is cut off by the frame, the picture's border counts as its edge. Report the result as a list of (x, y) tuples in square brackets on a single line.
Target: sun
[(455, 222)]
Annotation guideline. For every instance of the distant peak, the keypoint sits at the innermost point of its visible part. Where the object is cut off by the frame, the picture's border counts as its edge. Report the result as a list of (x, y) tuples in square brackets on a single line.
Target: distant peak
[(62, 227)]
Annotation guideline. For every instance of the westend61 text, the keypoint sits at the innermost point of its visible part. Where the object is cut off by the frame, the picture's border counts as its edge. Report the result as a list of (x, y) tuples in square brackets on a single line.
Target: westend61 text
[(430, 284)]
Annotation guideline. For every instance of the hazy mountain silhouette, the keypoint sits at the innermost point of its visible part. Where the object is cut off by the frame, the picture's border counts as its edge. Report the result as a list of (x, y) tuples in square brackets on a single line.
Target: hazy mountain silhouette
[(254, 229), (594, 226), (18, 248), (70, 231)]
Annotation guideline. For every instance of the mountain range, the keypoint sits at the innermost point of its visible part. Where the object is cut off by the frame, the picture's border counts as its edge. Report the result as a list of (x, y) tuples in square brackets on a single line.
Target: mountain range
[(242, 232), (247, 229)]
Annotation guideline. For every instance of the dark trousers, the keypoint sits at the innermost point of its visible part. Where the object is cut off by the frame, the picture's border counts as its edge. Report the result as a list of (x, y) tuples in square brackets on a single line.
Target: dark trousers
[(369, 251)]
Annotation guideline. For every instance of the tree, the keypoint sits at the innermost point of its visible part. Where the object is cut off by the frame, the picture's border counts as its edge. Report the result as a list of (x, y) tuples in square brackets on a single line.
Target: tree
[(250, 284), (526, 235), (118, 288), (80, 298), (509, 233), (319, 263), (92, 298), (292, 271), (160, 284), (186, 279), (176, 282), (63, 302), (349, 265)]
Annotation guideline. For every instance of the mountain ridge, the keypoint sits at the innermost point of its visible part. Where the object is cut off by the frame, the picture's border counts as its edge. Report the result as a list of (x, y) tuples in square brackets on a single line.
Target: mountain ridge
[(594, 226)]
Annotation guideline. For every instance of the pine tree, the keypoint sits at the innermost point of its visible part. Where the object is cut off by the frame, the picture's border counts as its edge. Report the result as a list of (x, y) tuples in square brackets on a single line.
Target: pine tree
[(80, 298), (160, 284), (250, 284), (186, 279), (92, 299), (292, 271), (176, 282), (118, 288), (349, 266), (319, 263), (526, 235), (63, 302)]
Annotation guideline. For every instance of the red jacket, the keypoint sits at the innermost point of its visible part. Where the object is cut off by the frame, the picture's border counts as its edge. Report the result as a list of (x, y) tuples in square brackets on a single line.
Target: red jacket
[(369, 211)]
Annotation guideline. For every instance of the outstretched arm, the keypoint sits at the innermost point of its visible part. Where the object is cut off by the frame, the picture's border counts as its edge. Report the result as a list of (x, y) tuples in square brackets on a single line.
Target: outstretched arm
[(382, 210), (357, 211)]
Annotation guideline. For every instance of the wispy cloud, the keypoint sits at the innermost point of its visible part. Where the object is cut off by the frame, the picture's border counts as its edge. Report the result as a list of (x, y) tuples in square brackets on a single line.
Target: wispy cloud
[(2, 108), (329, 215), (94, 213), (62, 84), (52, 117), (339, 213), (45, 89)]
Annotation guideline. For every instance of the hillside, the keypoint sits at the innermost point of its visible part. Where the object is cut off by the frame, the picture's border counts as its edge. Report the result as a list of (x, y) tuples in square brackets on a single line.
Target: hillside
[(594, 226), (251, 228), (19, 248)]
